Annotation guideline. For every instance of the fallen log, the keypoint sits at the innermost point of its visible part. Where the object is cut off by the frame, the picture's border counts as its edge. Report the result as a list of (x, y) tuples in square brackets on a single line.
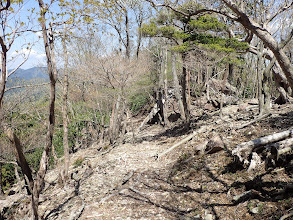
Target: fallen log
[(281, 147), (253, 121), (284, 151), (189, 137), (243, 150)]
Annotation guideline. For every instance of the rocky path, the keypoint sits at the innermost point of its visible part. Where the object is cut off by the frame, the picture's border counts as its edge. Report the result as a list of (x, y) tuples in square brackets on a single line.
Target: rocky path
[(109, 186), (128, 182)]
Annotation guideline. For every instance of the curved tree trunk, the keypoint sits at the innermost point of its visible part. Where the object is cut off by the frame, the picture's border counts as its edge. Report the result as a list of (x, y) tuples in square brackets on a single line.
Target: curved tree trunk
[(268, 40), (49, 50), (282, 85), (21, 159)]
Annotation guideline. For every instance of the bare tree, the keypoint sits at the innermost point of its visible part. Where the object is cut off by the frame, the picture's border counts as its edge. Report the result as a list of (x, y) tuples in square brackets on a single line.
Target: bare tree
[(65, 105), (8, 34), (51, 64)]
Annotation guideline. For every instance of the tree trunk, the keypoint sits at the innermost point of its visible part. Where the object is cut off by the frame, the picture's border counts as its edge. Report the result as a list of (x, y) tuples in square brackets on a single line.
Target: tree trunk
[(65, 108), (18, 152), (17, 177), (49, 50), (226, 73), (188, 90), (266, 91), (230, 71), (243, 150), (127, 49), (166, 121), (115, 125), (183, 85), (3, 71), (260, 79), (1, 184), (282, 85), (177, 86), (139, 35)]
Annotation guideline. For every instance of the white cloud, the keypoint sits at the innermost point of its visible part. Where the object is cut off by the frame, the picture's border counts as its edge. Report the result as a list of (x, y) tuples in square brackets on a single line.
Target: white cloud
[(25, 52), (38, 34), (34, 58)]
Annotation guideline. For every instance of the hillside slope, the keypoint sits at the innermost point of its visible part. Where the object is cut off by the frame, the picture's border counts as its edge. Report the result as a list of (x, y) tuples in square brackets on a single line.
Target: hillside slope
[(129, 182)]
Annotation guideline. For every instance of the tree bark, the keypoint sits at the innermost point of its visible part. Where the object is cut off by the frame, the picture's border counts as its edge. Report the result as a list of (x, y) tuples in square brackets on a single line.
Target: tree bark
[(18, 152), (1, 184), (260, 79), (49, 50), (65, 108), (166, 121), (282, 85), (139, 33), (127, 49), (183, 85), (177, 86), (115, 125), (3, 70)]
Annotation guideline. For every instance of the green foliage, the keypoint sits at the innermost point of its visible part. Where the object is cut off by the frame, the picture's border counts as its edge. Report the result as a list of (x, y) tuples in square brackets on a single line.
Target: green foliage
[(58, 142), (137, 102), (248, 92), (34, 158), (219, 43), (167, 31), (206, 23), (78, 162), (182, 48), (188, 32), (181, 35), (8, 176), (149, 30)]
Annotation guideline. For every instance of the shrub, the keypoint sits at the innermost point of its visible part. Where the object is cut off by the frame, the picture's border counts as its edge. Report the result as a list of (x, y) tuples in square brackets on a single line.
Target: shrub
[(34, 158), (8, 176), (137, 102), (78, 162)]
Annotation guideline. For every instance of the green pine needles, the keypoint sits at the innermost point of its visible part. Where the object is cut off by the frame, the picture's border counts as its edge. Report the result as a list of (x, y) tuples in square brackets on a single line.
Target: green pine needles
[(206, 31)]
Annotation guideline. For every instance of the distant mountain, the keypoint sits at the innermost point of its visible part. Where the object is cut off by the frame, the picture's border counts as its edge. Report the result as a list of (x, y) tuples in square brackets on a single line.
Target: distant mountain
[(29, 74), (35, 75)]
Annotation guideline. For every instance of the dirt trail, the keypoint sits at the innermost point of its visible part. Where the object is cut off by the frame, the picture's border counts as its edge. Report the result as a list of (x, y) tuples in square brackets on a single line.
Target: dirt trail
[(105, 184)]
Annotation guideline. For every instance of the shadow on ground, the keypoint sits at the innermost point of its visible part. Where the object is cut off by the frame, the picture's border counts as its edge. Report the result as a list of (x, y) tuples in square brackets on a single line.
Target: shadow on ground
[(193, 189)]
